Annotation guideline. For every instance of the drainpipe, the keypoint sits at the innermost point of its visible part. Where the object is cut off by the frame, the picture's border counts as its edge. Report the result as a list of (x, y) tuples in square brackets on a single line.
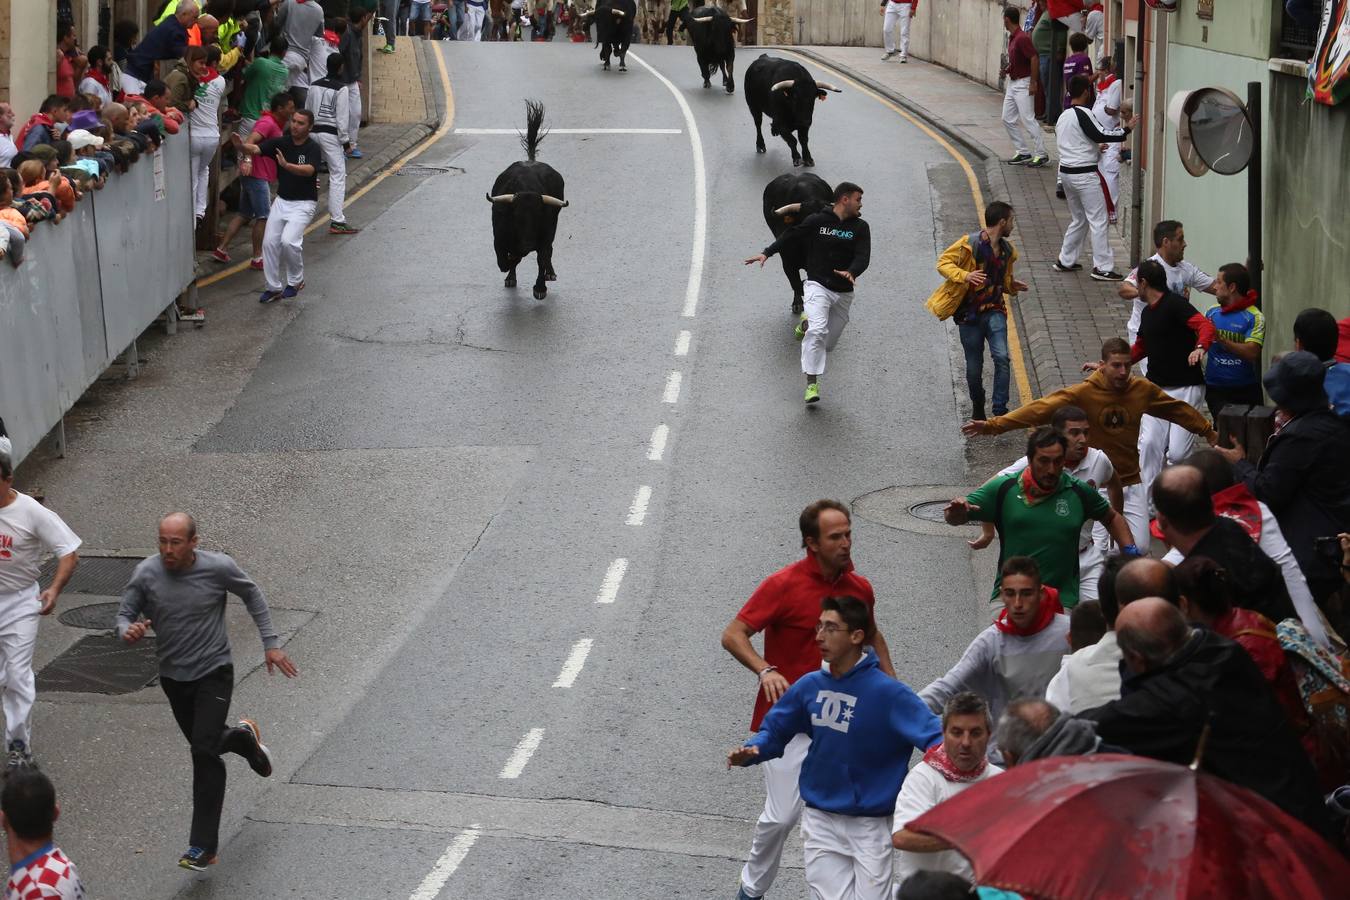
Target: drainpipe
[(1137, 175), (1255, 262)]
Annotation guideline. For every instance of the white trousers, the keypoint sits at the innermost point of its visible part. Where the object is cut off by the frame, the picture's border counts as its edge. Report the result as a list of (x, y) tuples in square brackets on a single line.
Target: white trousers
[(284, 242), (202, 149), (847, 857), (1109, 166), (1087, 214), (782, 809), (353, 111), (826, 316), (298, 64), (1019, 117), (17, 639), (471, 29), (337, 174), (1160, 441), (1136, 514), (897, 17), (1091, 561)]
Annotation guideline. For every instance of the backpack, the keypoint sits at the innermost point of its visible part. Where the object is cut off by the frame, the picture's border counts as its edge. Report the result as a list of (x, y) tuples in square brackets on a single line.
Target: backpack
[(1323, 678)]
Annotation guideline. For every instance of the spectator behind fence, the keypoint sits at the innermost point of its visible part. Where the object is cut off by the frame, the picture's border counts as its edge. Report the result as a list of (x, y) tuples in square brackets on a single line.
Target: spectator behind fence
[(183, 79), (38, 868), (1180, 681), (13, 226), (45, 125), (70, 63), (157, 95), (167, 40), (84, 145), (96, 80), (33, 174), (125, 32), (1316, 331), (205, 125), (263, 79), (7, 145)]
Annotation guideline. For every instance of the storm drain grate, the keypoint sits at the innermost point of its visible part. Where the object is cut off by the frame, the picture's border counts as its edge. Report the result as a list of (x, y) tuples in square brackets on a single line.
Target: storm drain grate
[(101, 664), (424, 171), (95, 616), (929, 510), (106, 575)]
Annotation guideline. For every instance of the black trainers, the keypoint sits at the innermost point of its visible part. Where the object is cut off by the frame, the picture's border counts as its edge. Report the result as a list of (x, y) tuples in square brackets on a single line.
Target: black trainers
[(977, 412), (1059, 191), (1112, 275), (1020, 159), (19, 757), (261, 760), (1060, 267), (197, 859), (1038, 162)]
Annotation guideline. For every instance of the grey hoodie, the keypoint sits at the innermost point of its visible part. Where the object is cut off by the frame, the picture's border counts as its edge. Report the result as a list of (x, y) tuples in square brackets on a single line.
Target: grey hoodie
[(1067, 737)]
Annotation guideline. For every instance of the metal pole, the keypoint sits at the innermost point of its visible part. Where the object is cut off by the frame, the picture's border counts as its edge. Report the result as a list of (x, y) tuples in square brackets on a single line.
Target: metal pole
[(1255, 262), (1137, 175)]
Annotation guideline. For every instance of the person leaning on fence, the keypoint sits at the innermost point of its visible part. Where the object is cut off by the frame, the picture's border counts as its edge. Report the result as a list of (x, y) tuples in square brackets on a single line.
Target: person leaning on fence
[(13, 225)]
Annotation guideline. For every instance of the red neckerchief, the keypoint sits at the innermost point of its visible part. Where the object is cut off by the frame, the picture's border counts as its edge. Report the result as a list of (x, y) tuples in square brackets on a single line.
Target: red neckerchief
[(1032, 491), (36, 119), (1050, 607), (98, 76), (937, 758), (211, 75), (1243, 302), (1238, 504), (1106, 81)]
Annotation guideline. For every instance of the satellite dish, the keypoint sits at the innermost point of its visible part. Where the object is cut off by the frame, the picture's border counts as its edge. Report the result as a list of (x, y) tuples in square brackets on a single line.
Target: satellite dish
[(1213, 131)]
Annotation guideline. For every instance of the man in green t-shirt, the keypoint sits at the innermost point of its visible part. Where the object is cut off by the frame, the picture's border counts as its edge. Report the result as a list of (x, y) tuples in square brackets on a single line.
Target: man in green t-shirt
[(263, 78), (1039, 512)]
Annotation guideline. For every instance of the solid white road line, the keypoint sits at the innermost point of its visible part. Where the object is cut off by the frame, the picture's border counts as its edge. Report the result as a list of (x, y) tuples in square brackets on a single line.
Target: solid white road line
[(609, 588), (682, 343), (431, 886), (700, 193), (658, 445), (575, 660), (672, 392), (516, 131), (521, 755), (638, 511)]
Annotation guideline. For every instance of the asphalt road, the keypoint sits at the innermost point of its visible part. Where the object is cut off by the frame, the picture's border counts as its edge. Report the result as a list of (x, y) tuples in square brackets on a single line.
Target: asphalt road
[(511, 531)]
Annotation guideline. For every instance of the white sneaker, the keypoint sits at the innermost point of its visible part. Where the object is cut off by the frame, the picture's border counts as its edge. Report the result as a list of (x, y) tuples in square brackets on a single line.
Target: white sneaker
[(904, 58), (887, 57)]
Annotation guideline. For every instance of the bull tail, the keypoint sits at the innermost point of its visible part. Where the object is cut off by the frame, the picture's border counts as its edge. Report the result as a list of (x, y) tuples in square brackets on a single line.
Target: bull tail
[(534, 130)]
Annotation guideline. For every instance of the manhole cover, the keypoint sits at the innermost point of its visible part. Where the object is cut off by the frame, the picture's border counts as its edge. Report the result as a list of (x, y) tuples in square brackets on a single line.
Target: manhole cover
[(106, 575), (424, 171), (929, 510), (101, 664), (95, 616)]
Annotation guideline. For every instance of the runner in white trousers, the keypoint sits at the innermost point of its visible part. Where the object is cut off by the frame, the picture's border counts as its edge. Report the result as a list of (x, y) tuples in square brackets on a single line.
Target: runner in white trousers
[(1019, 107), (1078, 135), (471, 29), (895, 16), (330, 101), (838, 246), (297, 157), (28, 530)]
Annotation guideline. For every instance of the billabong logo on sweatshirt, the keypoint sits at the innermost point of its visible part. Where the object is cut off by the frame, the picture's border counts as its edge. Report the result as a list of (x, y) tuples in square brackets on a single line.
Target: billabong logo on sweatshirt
[(836, 710)]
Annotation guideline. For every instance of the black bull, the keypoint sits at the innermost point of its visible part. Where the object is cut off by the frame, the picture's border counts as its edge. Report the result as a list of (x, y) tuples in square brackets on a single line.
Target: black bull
[(784, 91), (614, 22), (525, 202), (787, 200), (713, 34)]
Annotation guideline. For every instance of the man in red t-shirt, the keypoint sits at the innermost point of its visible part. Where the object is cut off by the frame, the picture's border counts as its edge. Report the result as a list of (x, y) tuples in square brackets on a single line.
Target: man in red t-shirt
[(1019, 109), (786, 607)]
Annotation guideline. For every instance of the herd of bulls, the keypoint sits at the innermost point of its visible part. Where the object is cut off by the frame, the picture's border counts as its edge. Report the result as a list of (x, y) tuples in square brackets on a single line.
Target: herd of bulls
[(527, 197)]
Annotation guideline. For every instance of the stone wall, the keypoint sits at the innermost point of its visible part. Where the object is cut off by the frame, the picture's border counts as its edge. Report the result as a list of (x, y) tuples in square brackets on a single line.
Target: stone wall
[(777, 22)]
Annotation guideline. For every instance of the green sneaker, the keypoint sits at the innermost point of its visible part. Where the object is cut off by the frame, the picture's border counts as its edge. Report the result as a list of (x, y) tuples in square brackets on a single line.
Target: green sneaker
[(800, 331), (813, 392)]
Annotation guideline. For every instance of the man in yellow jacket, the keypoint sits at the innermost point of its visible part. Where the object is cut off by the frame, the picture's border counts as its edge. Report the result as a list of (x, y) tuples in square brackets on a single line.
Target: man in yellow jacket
[(979, 273)]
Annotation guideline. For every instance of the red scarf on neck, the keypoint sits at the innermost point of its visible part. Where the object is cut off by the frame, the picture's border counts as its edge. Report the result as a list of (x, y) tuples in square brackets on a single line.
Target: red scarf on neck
[(1032, 491), (937, 758), (1050, 607)]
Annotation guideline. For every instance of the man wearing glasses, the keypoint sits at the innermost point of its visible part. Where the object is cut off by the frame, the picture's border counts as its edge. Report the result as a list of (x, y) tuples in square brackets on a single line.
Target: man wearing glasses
[(786, 607), (863, 727)]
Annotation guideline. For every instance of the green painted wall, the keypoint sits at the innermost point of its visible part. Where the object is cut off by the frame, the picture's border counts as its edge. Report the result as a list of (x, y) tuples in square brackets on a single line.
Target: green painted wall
[(1239, 27), (1307, 217)]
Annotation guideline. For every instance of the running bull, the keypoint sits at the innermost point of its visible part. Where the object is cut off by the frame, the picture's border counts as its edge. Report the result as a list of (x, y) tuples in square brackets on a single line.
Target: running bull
[(525, 202), (787, 200), (614, 22), (786, 92), (713, 34)]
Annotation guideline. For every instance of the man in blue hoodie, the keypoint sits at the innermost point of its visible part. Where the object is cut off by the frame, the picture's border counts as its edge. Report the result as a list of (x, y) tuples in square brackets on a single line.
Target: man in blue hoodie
[(864, 726)]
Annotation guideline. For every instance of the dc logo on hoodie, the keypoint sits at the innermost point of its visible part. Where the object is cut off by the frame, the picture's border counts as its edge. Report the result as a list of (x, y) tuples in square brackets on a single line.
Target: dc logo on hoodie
[(836, 710)]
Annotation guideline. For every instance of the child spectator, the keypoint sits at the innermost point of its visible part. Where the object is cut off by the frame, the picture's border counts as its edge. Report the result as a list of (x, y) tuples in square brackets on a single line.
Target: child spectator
[(66, 194), (32, 172), (85, 145), (1076, 63), (29, 208), (45, 124), (13, 224), (38, 868)]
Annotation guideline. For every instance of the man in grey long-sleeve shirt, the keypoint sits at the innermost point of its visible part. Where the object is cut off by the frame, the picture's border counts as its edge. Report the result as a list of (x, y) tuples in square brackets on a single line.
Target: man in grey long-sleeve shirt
[(181, 594)]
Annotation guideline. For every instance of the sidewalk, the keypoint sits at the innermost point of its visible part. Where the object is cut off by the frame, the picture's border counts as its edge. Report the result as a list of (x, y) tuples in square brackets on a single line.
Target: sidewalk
[(402, 114), (1064, 318)]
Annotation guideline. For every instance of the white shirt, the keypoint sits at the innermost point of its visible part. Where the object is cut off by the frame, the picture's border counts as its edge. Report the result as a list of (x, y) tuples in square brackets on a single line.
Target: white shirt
[(1079, 134), (8, 150), (925, 788), (1095, 470), (1273, 544), (1109, 97), (1180, 279), (205, 117), (1088, 678), (27, 531), (91, 86)]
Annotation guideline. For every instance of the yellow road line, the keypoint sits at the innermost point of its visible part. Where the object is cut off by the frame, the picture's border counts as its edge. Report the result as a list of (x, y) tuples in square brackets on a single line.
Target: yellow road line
[(447, 121), (1014, 344)]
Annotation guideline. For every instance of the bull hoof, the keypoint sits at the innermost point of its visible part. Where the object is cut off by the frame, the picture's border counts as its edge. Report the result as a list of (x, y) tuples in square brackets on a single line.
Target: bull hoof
[(796, 160), (623, 67), (510, 281), (707, 85), (606, 68), (759, 148), (540, 293), (731, 88), (809, 161), (551, 276), (798, 306)]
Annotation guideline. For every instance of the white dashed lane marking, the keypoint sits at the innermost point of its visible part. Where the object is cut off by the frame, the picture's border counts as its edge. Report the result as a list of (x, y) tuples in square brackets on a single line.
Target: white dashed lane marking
[(672, 391), (609, 588), (657, 448), (521, 755), (431, 886), (575, 660), (638, 511)]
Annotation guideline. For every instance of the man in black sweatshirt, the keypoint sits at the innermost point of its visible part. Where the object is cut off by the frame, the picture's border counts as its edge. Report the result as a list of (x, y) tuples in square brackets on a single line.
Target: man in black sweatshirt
[(838, 249)]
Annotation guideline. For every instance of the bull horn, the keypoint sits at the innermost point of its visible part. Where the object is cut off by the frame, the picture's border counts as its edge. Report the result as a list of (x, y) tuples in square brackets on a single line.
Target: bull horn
[(502, 198), (788, 210), (781, 86), (702, 20), (826, 86), (742, 21), (552, 201), (618, 12)]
